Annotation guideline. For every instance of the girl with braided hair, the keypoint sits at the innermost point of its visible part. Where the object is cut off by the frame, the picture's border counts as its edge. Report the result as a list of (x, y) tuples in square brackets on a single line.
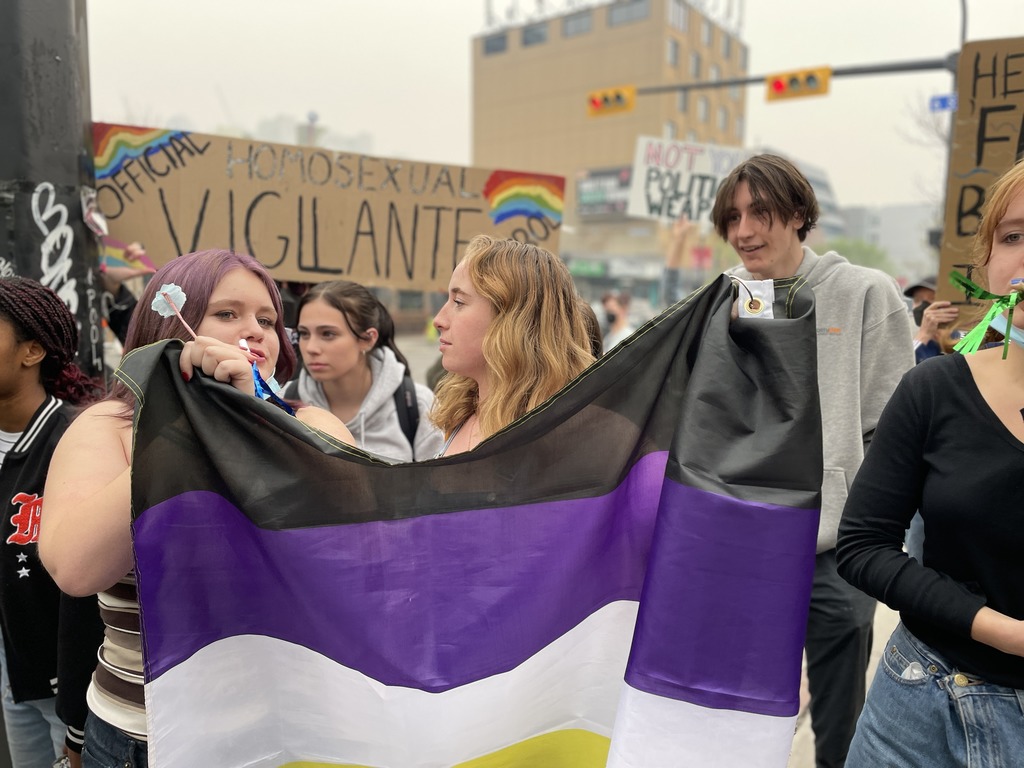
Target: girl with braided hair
[(40, 391)]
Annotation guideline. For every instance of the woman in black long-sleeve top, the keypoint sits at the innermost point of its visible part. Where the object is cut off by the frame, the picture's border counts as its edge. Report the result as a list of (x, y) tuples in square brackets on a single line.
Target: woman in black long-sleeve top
[(949, 690)]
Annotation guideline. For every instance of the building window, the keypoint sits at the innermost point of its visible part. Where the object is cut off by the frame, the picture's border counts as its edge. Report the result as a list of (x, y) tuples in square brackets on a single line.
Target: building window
[(691, 136), (495, 44), (723, 119), (694, 65), (627, 11), (672, 53), (683, 100), (410, 300), (670, 130), (739, 127), (576, 24), (714, 73), (678, 15), (705, 31), (743, 58), (726, 45), (734, 92), (535, 34), (702, 109)]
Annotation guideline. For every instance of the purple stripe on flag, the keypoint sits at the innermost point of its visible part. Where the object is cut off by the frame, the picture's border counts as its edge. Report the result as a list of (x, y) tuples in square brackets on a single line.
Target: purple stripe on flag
[(733, 638), (428, 602)]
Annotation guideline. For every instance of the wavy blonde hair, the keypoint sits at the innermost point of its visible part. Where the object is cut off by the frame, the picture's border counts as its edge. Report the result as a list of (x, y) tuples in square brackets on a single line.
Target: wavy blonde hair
[(536, 344)]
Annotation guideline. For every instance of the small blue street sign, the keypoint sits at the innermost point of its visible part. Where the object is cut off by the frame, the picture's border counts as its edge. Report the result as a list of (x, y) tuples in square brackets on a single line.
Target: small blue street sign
[(944, 103)]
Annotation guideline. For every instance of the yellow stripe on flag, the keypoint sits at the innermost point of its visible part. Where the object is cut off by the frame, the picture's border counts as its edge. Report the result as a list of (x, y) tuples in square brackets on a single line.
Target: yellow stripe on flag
[(571, 748)]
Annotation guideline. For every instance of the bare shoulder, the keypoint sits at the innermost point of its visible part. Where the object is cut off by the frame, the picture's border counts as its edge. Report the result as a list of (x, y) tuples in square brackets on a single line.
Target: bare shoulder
[(105, 408), (103, 427), (325, 421), (104, 416)]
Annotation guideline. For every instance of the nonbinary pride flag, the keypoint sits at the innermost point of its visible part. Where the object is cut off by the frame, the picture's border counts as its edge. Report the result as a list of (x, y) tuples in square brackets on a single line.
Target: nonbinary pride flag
[(621, 577)]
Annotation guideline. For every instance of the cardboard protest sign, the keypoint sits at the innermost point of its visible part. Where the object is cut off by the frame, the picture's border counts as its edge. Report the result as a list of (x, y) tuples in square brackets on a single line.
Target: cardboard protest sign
[(312, 214), (988, 138), (672, 178)]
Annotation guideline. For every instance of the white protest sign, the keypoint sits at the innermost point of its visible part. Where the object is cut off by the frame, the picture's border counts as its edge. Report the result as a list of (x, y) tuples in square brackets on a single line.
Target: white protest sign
[(672, 178)]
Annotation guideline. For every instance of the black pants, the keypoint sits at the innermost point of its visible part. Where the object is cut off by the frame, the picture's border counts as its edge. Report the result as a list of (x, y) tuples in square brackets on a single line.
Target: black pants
[(838, 644)]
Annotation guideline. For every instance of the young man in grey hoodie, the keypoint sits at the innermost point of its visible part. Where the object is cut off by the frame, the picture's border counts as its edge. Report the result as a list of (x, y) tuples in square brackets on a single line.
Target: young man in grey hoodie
[(764, 209)]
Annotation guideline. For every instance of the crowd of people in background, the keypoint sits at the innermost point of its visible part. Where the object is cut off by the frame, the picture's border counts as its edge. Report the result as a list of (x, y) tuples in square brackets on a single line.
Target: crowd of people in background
[(902, 419)]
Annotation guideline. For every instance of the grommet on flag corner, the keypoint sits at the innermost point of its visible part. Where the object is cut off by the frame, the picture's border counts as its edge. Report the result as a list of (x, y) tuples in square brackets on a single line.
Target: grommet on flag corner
[(754, 306)]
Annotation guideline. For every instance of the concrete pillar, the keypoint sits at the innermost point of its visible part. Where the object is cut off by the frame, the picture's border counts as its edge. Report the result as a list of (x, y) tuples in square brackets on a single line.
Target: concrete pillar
[(46, 158)]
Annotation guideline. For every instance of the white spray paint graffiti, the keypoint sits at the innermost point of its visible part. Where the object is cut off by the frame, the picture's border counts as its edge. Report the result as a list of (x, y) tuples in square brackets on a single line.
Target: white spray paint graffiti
[(6, 268), (59, 238), (55, 261), (95, 327)]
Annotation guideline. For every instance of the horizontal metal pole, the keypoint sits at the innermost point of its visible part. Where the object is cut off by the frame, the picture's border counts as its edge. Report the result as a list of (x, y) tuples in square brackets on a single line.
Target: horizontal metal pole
[(948, 63)]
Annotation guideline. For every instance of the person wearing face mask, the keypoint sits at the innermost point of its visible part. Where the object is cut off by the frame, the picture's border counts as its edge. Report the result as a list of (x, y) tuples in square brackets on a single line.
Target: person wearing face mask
[(934, 320), (616, 307), (934, 337), (949, 686)]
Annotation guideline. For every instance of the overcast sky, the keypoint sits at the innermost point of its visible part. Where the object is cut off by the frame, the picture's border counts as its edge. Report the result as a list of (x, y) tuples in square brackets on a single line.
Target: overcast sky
[(399, 70)]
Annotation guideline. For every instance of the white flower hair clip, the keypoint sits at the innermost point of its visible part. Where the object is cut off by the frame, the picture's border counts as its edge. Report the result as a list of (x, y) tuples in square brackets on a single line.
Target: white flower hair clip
[(168, 302)]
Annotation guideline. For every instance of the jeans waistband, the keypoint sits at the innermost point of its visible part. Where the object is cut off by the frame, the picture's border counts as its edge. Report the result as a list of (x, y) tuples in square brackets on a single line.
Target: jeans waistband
[(930, 659)]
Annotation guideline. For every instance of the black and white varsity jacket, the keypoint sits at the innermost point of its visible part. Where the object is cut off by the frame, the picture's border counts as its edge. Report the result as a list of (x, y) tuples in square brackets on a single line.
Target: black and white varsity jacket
[(50, 639)]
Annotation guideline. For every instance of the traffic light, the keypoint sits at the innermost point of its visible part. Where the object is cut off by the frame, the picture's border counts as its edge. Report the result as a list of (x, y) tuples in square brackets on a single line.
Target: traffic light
[(799, 82), (609, 101)]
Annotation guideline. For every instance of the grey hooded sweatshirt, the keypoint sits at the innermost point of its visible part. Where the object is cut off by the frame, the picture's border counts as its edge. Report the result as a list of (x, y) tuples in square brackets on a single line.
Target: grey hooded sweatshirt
[(375, 427), (865, 345)]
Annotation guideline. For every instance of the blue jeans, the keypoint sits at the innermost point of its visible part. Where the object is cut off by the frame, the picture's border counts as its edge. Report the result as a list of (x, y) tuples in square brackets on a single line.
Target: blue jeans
[(921, 712), (35, 734), (110, 747)]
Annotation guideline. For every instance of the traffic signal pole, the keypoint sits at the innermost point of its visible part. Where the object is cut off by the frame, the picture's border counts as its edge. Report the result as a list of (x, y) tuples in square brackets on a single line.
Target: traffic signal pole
[(921, 65), (46, 158)]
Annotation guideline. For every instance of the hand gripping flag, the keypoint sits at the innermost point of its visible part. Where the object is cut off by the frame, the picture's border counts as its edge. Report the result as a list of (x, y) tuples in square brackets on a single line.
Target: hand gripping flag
[(619, 578)]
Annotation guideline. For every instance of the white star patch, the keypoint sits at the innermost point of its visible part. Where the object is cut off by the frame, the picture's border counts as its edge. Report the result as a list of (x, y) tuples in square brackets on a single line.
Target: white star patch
[(22, 557), (22, 573)]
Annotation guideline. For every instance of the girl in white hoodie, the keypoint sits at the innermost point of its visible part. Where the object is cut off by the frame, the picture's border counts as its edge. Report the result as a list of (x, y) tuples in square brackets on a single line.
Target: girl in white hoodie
[(352, 368)]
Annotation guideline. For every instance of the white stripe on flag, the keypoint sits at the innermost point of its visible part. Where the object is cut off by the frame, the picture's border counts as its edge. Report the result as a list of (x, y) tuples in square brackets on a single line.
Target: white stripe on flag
[(302, 706), (657, 732)]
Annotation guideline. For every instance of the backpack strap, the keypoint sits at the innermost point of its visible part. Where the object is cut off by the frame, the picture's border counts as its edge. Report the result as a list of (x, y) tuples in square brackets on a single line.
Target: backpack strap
[(291, 390), (408, 410)]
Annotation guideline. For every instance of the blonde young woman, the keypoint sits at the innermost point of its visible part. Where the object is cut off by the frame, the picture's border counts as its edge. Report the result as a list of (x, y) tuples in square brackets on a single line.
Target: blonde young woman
[(512, 334)]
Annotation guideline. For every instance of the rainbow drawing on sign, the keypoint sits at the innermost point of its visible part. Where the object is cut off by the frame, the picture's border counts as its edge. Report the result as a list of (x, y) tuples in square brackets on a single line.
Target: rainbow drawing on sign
[(115, 145), (112, 254), (524, 194)]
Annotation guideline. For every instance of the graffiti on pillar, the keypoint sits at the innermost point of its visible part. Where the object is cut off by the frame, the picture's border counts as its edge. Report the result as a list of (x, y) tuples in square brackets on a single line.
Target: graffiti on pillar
[(6, 268), (58, 239), (92, 296)]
